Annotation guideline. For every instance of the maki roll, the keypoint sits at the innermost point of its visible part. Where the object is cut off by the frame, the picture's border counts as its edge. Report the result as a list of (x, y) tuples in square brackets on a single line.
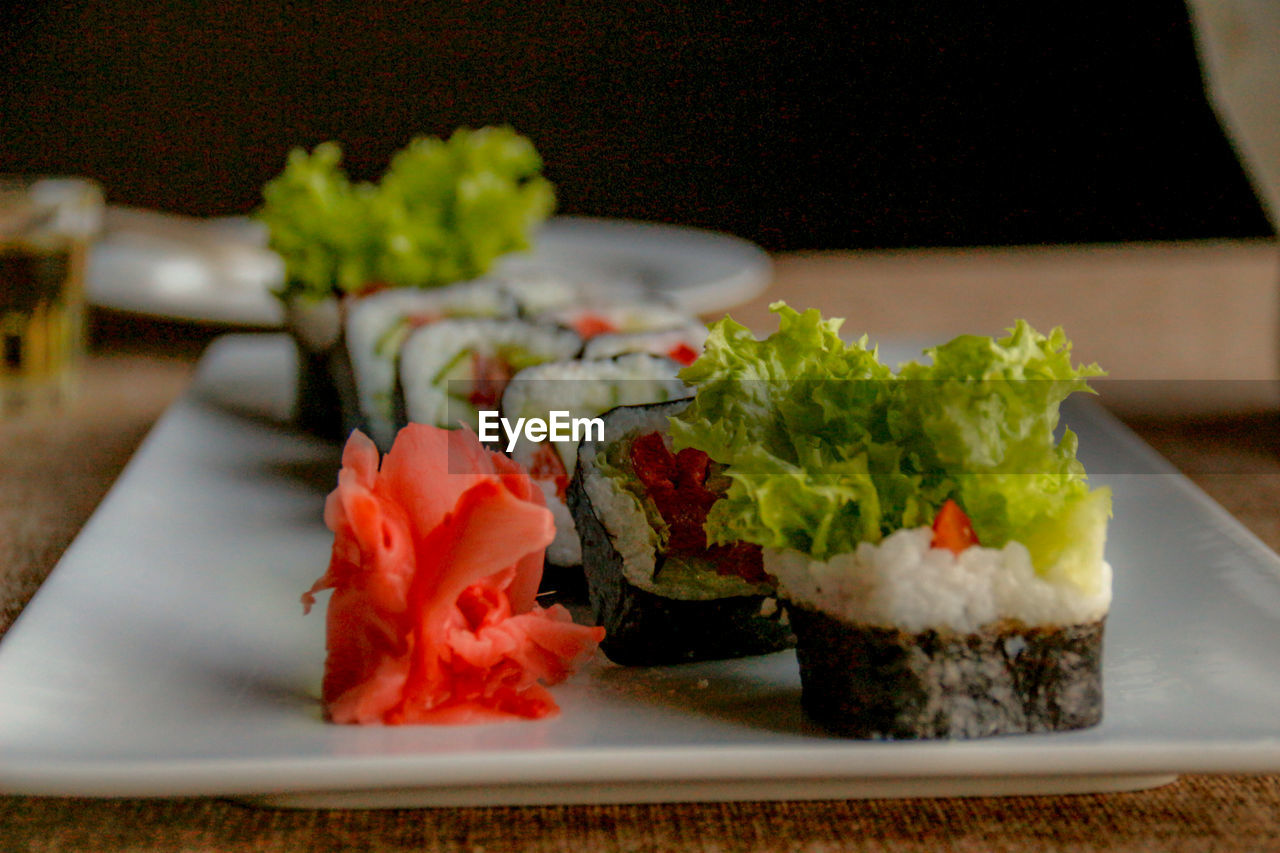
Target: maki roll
[(913, 638), (378, 325), (582, 389), (932, 533), (661, 592), (452, 369), (444, 211), (682, 344)]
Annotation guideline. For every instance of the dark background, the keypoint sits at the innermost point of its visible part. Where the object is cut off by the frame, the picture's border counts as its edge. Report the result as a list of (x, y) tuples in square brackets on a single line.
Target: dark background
[(798, 125)]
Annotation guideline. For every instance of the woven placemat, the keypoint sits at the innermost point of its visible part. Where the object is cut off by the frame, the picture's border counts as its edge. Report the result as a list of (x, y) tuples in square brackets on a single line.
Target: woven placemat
[(1202, 813)]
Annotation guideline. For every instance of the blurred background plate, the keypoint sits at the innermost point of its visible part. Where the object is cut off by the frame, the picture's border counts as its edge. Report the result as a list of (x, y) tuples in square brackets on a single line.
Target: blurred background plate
[(219, 270)]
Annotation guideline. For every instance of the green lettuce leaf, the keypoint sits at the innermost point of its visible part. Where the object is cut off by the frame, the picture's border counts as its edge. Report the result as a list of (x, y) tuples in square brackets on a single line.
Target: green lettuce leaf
[(985, 411), (444, 210), (826, 447), (799, 419)]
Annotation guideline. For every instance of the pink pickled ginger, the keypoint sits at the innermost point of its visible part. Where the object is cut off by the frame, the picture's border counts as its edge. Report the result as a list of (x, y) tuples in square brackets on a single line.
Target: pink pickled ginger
[(435, 566)]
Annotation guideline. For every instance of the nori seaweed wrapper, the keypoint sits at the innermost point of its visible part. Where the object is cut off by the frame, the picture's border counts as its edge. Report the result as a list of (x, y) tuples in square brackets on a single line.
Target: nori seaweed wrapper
[(646, 629), (326, 403), (883, 683)]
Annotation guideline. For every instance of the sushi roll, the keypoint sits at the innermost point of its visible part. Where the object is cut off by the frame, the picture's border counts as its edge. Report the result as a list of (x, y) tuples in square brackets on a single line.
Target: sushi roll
[(584, 390), (661, 592), (933, 536), (908, 638), (377, 326), (682, 344), (452, 369)]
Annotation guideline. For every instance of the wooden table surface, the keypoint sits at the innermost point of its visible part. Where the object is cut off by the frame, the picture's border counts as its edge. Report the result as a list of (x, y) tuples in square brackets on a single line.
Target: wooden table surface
[(1194, 322)]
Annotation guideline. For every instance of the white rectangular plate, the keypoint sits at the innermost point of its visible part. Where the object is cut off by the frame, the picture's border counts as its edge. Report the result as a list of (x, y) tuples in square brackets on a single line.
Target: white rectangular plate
[(168, 655)]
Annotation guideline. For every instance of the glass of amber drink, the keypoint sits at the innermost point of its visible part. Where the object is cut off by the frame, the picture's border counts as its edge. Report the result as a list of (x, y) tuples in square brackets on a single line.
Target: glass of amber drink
[(47, 225)]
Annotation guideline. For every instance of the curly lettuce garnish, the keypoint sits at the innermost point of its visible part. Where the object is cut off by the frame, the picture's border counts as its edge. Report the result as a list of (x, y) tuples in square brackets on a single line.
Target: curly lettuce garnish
[(985, 413), (799, 419), (443, 211), (827, 447)]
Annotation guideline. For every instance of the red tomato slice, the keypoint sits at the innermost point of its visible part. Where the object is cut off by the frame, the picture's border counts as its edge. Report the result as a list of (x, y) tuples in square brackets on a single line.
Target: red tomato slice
[(952, 529)]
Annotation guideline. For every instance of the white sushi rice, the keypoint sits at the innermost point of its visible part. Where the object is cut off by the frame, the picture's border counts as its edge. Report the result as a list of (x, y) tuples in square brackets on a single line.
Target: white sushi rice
[(904, 583), (566, 548), (316, 323), (617, 509)]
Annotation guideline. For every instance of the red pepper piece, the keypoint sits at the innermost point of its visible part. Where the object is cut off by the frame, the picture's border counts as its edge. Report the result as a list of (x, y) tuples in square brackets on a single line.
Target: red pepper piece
[(683, 353), (691, 469), (371, 287), (653, 462), (952, 529), (589, 325), (740, 558)]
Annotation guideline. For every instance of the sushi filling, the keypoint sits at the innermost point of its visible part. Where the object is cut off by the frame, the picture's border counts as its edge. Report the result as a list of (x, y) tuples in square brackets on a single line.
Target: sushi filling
[(592, 322), (547, 468), (682, 487), (451, 370), (652, 580), (655, 503), (479, 376), (589, 324), (682, 353)]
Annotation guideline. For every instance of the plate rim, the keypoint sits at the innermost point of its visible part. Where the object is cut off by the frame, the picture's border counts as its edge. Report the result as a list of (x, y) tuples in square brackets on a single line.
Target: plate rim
[(250, 308)]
